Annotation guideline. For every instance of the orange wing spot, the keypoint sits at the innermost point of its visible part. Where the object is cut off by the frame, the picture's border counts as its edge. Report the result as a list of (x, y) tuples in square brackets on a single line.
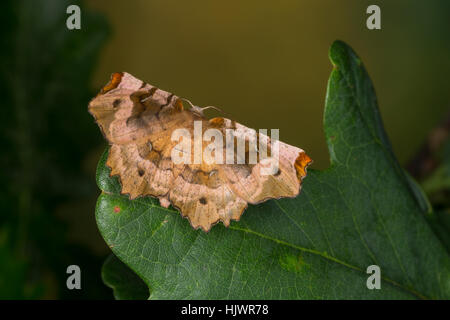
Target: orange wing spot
[(217, 121), (179, 105), (116, 209), (301, 163), (113, 83)]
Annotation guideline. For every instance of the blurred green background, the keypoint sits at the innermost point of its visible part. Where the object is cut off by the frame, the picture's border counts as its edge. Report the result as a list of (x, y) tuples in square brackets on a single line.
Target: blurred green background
[(263, 62)]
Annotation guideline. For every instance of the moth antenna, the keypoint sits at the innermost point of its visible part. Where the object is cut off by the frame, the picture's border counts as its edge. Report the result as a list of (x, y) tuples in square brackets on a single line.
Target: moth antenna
[(200, 110), (194, 108), (215, 108), (188, 101)]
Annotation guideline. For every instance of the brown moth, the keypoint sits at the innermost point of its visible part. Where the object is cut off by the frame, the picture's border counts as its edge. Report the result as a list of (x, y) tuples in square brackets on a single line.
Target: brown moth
[(139, 120)]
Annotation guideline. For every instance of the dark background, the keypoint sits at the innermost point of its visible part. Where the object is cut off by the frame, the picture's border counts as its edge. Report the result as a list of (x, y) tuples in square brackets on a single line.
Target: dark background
[(263, 62)]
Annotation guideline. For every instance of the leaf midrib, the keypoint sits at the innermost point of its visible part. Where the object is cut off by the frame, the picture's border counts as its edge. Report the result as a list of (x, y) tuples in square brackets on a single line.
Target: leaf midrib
[(303, 249)]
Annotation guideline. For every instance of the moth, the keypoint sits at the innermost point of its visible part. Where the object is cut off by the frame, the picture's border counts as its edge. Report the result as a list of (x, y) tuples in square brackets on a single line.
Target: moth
[(139, 121)]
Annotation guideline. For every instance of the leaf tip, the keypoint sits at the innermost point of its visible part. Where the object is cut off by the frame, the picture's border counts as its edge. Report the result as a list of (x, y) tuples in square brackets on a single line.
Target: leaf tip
[(338, 47)]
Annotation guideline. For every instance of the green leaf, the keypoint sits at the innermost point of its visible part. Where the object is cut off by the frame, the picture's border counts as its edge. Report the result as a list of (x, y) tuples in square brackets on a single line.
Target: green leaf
[(46, 139), (359, 212), (124, 282), (437, 186)]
